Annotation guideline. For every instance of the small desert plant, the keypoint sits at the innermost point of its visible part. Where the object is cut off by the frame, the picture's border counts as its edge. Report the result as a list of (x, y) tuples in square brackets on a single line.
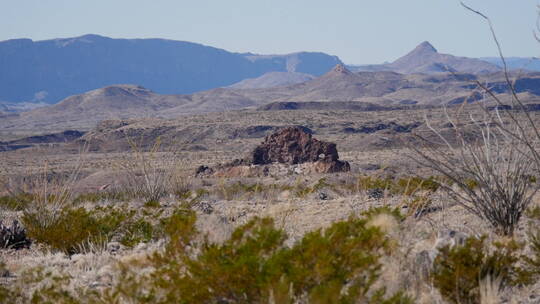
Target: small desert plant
[(532, 260), (73, 228), (50, 194), (136, 232), (533, 212), (150, 173), (459, 270), (17, 202)]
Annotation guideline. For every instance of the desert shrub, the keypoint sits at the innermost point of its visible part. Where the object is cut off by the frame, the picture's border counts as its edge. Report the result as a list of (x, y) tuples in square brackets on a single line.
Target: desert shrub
[(201, 193), (17, 201), (532, 260), (136, 232), (8, 294), (319, 264), (337, 265), (73, 228), (365, 183), (533, 212), (412, 185), (179, 185), (418, 205), (458, 270), (372, 212), (150, 174), (490, 175), (152, 204)]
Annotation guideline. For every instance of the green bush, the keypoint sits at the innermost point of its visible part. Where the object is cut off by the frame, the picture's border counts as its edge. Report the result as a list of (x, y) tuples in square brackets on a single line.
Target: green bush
[(458, 270), (533, 212), (73, 227), (337, 265), (136, 232), (16, 202), (532, 261)]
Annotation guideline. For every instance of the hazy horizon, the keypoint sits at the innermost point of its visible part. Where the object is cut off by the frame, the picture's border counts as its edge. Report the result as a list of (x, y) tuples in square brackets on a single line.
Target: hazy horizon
[(358, 32)]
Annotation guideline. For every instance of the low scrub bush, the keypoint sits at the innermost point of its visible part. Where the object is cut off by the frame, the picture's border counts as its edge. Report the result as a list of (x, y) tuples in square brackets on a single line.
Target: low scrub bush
[(16, 202), (73, 227), (337, 265), (533, 212), (458, 270), (532, 260), (137, 231), (340, 264)]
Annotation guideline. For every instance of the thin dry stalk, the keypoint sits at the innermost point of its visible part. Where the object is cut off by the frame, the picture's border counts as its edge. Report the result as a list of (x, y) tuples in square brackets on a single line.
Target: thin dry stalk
[(149, 174), (490, 290), (51, 193)]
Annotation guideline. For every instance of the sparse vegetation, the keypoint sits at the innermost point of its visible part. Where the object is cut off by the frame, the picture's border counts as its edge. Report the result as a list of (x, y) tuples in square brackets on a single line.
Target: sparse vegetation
[(459, 270), (151, 174), (340, 263), (73, 227)]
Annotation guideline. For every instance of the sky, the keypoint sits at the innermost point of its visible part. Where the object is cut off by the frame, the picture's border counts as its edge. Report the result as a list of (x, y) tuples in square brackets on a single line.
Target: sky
[(358, 31)]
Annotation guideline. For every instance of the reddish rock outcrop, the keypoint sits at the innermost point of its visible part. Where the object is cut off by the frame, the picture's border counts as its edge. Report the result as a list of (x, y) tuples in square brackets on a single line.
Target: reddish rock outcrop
[(293, 145)]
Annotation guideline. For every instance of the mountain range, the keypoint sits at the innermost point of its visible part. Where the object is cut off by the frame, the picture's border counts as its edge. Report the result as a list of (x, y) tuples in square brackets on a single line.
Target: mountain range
[(51, 70), (421, 78), (339, 88)]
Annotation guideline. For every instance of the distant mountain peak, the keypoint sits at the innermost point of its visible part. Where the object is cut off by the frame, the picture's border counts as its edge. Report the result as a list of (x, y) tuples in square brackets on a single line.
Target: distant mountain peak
[(425, 47)]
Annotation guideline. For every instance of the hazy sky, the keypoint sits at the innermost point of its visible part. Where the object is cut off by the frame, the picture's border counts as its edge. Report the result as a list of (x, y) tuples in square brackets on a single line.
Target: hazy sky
[(358, 31)]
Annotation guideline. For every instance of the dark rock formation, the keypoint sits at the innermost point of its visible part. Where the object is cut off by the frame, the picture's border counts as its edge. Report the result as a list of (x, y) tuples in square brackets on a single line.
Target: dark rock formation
[(293, 145)]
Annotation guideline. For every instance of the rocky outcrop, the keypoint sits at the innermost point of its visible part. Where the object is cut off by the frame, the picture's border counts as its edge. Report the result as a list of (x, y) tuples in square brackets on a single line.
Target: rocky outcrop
[(293, 145), (290, 146)]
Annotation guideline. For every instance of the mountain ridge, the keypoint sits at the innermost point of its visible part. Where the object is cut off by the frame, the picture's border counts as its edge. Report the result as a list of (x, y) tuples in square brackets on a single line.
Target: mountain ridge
[(51, 70), (355, 91)]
